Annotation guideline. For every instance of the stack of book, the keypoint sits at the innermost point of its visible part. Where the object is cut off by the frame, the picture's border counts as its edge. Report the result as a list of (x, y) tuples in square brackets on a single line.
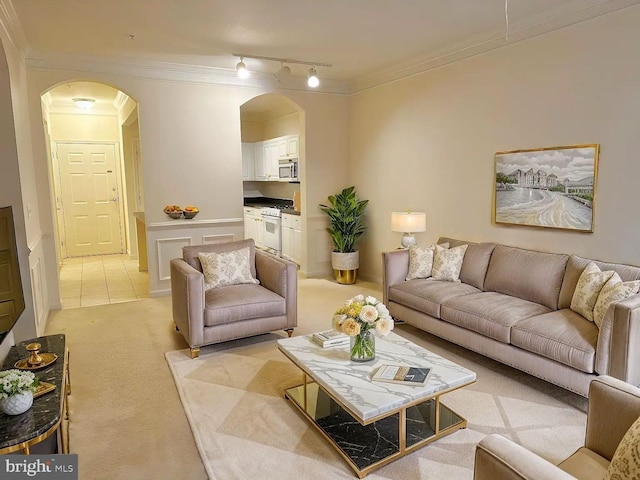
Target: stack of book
[(330, 338), (402, 374)]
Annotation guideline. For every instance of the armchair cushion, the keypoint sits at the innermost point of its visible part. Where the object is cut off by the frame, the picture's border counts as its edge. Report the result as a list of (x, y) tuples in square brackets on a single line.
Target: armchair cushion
[(226, 268), (626, 461), (190, 254), (234, 303), (585, 463)]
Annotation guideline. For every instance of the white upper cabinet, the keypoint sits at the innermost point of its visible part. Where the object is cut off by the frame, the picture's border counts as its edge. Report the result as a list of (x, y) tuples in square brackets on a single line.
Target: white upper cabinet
[(265, 157), (248, 164)]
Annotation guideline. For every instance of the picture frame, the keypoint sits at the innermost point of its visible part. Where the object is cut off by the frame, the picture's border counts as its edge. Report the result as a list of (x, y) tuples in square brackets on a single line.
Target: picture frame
[(551, 187)]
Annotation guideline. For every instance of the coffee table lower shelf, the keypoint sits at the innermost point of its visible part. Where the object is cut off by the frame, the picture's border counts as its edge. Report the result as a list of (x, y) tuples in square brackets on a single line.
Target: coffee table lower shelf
[(369, 446)]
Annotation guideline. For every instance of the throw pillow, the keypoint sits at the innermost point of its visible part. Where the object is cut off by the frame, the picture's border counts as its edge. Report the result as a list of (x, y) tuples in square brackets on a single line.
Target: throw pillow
[(626, 461), (447, 263), (588, 288), (226, 268), (421, 261), (613, 291)]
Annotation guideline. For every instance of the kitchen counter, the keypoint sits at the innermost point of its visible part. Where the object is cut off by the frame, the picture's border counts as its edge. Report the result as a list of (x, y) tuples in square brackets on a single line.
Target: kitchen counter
[(290, 211)]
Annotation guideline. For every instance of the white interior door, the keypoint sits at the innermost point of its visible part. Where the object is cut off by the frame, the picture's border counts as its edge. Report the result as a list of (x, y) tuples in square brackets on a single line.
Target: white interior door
[(90, 199)]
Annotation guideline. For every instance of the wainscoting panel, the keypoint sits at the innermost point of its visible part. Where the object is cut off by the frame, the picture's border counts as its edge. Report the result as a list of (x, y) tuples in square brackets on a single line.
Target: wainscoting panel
[(167, 249), (222, 238), (38, 291)]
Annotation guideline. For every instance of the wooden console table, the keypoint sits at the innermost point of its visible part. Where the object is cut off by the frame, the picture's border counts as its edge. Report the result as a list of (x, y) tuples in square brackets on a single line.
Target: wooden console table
[(49, 413)]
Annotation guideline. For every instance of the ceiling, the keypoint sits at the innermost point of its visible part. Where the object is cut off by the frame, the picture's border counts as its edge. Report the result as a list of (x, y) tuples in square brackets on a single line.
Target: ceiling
[(367, 42)]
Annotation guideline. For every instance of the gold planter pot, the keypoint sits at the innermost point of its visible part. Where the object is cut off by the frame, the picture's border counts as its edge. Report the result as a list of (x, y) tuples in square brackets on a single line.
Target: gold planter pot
[(346, 277), (345, 267)]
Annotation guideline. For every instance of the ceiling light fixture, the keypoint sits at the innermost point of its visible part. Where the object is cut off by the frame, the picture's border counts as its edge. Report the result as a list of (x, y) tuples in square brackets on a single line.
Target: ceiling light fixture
[(313, 81), (83, 103), (241, 69)]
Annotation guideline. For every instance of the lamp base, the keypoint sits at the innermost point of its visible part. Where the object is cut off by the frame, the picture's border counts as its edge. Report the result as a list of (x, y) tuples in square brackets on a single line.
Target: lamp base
[(408, 239)]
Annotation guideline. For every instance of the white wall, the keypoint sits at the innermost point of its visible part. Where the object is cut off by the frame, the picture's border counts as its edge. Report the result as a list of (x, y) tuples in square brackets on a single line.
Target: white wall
[(427, 143)]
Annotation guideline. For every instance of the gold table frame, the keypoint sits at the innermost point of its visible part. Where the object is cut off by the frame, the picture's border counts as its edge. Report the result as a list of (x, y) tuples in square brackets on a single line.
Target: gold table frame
[(302, 395)]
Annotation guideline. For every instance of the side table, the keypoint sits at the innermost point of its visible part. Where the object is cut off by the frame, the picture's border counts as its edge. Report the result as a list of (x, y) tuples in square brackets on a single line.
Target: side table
[(49, 413)]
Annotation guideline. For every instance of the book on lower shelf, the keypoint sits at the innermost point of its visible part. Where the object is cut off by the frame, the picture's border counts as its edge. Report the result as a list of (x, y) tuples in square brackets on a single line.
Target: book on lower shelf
[(402, 374), (330, 338)]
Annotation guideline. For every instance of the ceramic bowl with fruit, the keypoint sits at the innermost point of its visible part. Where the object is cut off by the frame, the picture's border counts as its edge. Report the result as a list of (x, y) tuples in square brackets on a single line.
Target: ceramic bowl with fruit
[(174, 211), (190, 212)]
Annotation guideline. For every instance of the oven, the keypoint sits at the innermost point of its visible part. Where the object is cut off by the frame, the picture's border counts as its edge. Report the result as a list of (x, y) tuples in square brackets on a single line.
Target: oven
[(271, 230)]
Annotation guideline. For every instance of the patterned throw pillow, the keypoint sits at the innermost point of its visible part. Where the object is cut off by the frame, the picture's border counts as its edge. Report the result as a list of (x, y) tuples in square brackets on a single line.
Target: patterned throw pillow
[(614, 291), (447, 263), (588, 288), (421, 261), (226, 268), (626, 460)]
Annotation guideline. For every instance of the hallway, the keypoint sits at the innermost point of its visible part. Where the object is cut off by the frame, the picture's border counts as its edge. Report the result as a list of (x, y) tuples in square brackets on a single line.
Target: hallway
[(102, 279)]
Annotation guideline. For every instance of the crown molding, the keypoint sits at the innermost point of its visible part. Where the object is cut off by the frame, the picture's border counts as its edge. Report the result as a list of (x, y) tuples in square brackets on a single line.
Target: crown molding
[(544, 23), (176, 72), (12, 27)]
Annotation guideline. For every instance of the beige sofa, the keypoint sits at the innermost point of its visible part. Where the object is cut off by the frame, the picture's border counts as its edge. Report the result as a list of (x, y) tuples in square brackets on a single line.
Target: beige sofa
[(205, 317), (613, 407), (512, 305)]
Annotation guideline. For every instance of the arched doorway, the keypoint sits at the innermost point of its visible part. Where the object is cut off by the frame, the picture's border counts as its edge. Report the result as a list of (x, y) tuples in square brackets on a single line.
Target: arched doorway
[(91, 132), (273, 139)]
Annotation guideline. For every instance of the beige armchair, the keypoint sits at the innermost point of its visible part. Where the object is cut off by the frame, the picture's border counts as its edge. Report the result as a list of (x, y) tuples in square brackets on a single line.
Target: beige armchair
[(233, 311), (613, 407)]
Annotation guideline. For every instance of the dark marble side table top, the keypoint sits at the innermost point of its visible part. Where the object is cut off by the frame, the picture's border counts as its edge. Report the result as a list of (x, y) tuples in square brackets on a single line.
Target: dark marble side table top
[(46, 410)]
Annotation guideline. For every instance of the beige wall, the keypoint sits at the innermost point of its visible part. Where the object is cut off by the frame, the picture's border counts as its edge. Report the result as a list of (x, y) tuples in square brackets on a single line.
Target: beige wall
[(190, 143), (280, 126), (426, 143), (84, 127), (252, 131)]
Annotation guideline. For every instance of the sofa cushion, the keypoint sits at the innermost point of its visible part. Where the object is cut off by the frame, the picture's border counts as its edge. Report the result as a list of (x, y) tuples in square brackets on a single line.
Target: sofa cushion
[(190, 254), (421, 261), (526, 274), (475, 264), (489, 313), (576, 265), (563, 336), (615, 290), (234, 303), (447, 263), (426, 295), (588, 288)]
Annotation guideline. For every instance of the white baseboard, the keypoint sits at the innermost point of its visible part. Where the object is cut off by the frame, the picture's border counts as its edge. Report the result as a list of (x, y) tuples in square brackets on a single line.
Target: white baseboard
[(160, 293)]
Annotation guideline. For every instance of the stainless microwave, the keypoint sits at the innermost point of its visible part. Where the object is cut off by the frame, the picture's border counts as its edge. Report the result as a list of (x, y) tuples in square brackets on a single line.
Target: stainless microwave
[(288, 170)]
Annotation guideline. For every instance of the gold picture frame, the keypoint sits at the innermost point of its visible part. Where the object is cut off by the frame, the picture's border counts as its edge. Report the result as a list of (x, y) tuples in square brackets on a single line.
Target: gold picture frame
[(551, 187)]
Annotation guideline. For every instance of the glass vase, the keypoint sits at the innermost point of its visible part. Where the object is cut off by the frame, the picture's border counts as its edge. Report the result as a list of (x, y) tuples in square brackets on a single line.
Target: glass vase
[(363, 347)]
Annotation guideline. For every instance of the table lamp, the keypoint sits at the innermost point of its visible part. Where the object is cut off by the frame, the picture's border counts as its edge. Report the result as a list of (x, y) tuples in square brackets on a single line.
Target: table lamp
[(408, 222)]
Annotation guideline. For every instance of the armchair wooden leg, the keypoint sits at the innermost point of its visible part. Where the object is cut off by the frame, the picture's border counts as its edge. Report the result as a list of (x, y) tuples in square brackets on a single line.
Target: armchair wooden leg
[(289, 331), (195, 352)]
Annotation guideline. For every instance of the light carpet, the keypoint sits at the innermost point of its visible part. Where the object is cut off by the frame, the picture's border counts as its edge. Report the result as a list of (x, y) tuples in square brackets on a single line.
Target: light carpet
[(245, 428)]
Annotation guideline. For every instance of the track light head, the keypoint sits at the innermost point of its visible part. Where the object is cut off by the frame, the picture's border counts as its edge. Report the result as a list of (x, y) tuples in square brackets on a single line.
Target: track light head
[(283, 73), (313, 81), (241, 69)]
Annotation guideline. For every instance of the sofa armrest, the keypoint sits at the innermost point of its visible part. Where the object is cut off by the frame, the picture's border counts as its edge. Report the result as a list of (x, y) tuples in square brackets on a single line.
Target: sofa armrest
[(498, 458), (280, 276), (395, 267), (613, 407), (187, 300), (624, 340)]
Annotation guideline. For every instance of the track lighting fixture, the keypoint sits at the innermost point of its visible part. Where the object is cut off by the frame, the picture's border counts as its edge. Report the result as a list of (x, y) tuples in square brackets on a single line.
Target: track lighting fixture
[(313, 81), (285, 71), (241, 69)]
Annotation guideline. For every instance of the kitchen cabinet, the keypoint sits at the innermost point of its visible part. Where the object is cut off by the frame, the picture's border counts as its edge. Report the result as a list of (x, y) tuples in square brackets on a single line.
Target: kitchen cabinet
[(248, 161), (261, 163), (292, 237), (253, 224)]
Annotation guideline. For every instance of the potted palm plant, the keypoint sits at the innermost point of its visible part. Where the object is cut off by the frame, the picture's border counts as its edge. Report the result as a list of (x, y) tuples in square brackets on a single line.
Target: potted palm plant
[(346, 217)]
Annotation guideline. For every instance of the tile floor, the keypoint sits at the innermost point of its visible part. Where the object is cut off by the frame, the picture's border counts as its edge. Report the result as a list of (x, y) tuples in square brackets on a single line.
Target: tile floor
[(102, 279)]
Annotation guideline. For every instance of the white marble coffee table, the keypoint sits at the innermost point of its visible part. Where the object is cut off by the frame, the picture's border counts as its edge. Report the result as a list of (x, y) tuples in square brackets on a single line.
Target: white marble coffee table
[(373, 423)]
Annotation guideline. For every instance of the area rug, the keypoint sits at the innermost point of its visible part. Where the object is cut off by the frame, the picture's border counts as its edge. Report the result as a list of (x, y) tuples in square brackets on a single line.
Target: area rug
[(244, 428)]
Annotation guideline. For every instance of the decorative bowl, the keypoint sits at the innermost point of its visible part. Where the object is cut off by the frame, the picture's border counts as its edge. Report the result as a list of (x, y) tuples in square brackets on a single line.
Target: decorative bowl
[(174, 213), (189, 215)]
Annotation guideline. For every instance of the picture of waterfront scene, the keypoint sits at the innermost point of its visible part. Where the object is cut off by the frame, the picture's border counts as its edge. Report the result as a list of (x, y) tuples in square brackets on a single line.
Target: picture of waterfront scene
[(551, 187)]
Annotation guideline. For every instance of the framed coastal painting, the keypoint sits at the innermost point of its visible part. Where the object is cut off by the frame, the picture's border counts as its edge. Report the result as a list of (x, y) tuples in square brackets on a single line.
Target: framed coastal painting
[(550, 187)]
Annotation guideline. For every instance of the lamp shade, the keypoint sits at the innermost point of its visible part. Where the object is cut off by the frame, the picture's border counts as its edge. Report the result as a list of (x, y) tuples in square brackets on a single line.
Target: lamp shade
[(408, 222)]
